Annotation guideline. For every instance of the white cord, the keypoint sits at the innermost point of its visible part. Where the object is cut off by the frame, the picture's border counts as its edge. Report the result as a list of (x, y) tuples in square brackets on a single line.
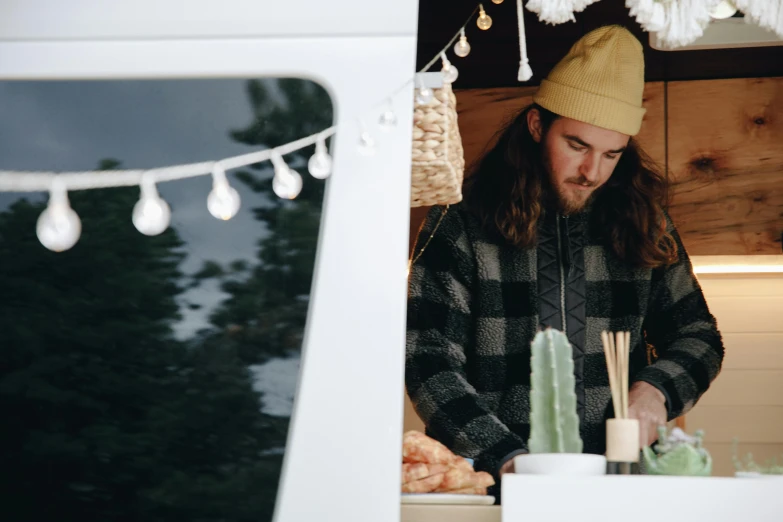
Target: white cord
[(25, 181), (525, 72)]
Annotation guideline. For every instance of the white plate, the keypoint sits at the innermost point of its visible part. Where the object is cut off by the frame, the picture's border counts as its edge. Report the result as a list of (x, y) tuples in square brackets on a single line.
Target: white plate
[(447, 498)]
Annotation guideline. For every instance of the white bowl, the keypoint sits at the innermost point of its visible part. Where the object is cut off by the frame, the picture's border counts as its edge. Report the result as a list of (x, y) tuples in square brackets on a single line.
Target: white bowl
[(572, 464)]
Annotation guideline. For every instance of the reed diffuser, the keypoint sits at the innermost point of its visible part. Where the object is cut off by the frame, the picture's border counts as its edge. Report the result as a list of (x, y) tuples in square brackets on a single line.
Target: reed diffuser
[(622, 433)]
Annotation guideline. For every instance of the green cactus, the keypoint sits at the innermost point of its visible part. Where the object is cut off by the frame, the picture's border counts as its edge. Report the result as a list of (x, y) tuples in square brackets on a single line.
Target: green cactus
[(554, 424)]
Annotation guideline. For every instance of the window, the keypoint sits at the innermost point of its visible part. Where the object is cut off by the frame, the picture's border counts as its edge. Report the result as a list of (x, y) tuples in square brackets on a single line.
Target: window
[(152, 378)]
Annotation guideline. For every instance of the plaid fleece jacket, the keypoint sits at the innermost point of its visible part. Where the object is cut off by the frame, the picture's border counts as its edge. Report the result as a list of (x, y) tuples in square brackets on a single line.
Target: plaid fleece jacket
[(475, 304)]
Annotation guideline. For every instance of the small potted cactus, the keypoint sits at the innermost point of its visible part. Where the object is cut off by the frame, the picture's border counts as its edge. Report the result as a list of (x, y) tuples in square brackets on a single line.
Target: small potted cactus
[(555, 446)]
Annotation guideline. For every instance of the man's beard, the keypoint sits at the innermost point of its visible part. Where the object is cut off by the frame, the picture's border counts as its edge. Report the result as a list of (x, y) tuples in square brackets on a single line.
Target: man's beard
[(557, 198), (570, 205)]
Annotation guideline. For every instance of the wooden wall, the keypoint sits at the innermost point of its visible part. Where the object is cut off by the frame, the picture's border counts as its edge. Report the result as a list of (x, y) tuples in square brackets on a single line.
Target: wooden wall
[(725, 157), (720, 140)]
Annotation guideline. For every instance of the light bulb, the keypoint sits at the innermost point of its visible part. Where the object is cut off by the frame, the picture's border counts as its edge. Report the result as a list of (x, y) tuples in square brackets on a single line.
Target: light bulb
[(366, 144), (388, 120), (320, 163), (448, 71), (483, 21), (497, 1), (424, 95), (58, 227), (462, 47), (287, 184), (151, 214), (724, 9), (223, 202)]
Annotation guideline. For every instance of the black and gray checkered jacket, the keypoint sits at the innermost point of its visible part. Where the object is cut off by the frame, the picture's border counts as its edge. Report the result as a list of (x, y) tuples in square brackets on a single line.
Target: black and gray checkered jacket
[(475, 304)]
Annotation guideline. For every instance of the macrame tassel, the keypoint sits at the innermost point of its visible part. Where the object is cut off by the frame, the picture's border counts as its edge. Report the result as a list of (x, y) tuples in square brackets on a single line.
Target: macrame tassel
[(685, 21), (525, 72), (557, 11), (553, 11), (764, 13), (580, 5), (650, 14), (677, 22)]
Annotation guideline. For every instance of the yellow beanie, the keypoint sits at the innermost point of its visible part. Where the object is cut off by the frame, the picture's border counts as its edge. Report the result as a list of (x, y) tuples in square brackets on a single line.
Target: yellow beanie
[(600, 81)]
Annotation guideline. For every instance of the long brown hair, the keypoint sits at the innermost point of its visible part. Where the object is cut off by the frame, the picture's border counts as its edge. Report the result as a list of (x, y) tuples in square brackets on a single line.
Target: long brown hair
[(508, 188)]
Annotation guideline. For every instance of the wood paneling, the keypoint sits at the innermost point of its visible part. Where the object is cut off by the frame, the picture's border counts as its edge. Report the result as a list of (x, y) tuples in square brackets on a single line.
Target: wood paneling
[(483, 112), (725, 159)]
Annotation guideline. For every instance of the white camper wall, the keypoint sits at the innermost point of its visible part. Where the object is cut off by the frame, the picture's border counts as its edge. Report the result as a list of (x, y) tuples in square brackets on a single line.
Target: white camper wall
[(352, 358)]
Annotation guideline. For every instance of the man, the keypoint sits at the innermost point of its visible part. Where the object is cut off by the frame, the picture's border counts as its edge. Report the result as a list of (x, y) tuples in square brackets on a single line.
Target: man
[(562, 225)]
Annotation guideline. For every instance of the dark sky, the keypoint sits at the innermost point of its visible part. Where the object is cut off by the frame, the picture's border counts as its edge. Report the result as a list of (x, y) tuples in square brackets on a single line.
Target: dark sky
[(64, 126)]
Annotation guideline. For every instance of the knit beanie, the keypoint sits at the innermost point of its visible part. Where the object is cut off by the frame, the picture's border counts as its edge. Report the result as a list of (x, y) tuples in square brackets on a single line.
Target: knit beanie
[(600, 81)]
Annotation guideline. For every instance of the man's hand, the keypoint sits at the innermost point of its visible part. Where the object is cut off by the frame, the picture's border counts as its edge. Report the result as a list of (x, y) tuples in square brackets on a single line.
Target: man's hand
[(647, 404), (508, 467)]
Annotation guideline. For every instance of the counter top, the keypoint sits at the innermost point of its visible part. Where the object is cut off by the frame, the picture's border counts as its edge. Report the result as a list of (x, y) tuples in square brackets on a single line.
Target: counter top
[(444, 513)]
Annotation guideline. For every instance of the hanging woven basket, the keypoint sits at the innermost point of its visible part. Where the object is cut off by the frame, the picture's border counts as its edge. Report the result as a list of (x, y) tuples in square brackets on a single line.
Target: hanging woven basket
[(438, 161)]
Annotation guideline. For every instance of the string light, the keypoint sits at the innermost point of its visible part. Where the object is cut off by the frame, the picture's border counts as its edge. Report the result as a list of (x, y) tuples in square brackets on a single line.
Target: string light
[(483, 22), (462, 48), (450, 73), (287, 183), (424, 94), (223, 202), (320, 163), (151, 215), (366, 141), (58, 227), (388, 119)]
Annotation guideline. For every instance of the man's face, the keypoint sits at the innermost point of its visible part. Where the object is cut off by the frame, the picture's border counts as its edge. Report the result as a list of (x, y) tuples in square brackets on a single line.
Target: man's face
[(579, 157)]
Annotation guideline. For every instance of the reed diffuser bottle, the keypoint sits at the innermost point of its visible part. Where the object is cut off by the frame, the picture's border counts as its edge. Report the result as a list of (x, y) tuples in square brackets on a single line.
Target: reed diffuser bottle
[(622, 433)]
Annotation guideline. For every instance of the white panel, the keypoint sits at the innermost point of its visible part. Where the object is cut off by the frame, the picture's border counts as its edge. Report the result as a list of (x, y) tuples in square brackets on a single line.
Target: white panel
[(347, 410), (761, 314), (746, 388), (753, 351), (750, 424), (102, 19), (744, 286), (528, 498)]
